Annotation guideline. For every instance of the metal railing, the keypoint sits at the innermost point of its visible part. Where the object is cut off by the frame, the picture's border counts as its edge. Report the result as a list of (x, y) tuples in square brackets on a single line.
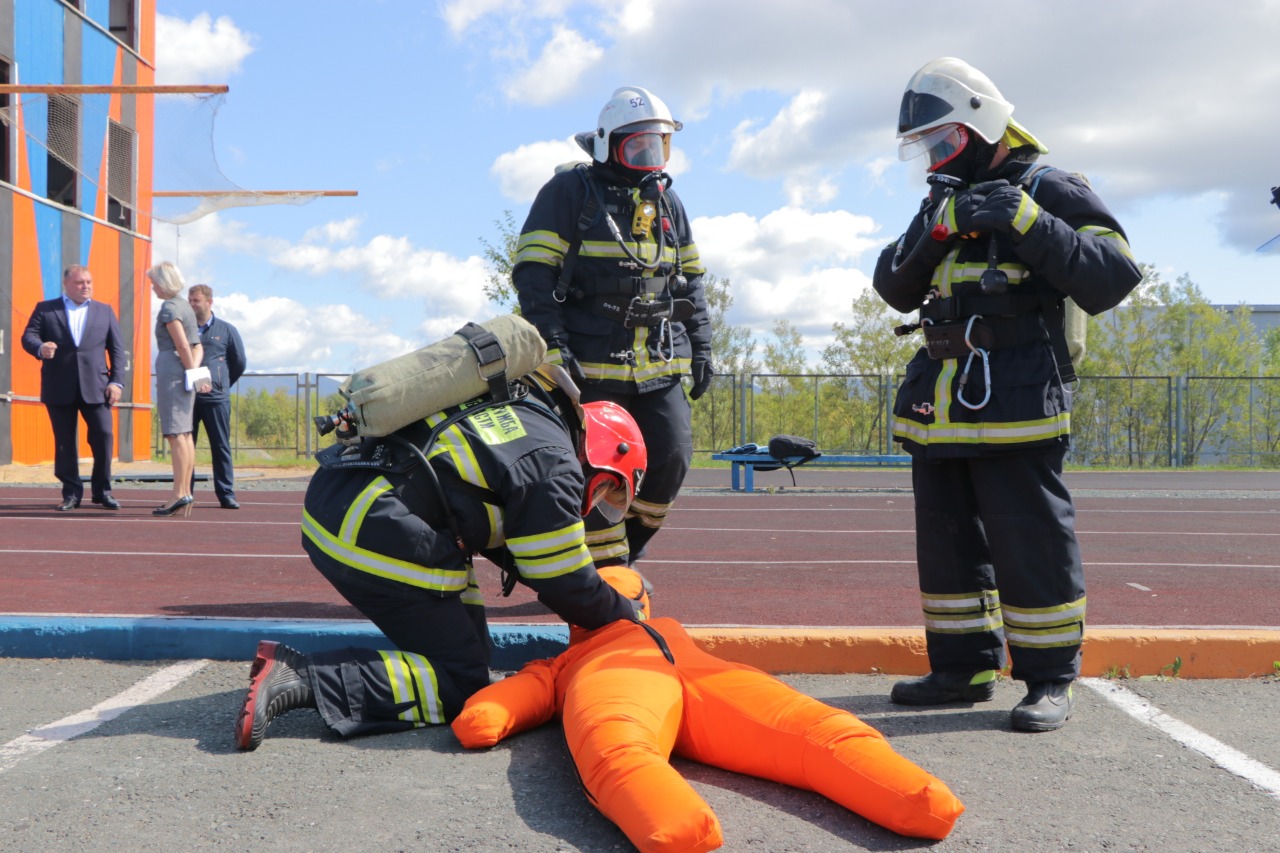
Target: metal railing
[(1116, 421)]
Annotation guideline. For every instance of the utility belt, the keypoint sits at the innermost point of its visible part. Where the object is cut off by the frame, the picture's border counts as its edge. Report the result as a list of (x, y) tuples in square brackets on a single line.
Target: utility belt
[(954, 340), (638, 311)]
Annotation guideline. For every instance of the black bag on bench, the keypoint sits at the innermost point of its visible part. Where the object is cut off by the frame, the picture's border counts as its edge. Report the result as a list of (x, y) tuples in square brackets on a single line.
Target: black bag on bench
[(786, 447)]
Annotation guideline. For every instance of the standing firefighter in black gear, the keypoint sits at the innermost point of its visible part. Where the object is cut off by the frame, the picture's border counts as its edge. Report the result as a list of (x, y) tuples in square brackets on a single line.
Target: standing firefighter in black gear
[(393, 523), (607, 270), (1000, 250)]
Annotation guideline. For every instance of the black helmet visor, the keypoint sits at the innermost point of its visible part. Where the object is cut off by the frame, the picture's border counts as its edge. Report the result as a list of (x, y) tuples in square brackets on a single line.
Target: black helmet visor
[(920, 109)]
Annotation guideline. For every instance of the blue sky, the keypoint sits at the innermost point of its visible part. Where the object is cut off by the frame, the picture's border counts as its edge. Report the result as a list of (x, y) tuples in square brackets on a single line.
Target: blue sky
[(445, 115)]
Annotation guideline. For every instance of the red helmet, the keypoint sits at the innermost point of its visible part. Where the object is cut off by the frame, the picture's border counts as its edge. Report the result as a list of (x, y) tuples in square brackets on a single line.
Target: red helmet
[(613, 458)]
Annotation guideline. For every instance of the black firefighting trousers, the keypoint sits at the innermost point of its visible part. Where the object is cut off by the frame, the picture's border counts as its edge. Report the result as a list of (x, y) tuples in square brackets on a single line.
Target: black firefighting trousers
[(998, 561), (441, 656)]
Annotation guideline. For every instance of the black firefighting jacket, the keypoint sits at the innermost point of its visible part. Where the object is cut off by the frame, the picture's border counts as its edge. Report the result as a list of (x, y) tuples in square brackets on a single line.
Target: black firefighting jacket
[(1074, 247), (619, 355), (511, 477)]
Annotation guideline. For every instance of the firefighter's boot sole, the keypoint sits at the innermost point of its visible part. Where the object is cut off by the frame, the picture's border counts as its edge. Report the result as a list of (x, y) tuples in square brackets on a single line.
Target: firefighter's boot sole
[(278, 683)]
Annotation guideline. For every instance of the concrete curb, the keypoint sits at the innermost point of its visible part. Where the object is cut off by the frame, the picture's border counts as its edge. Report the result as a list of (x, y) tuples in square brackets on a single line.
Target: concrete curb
[(1133, 652)]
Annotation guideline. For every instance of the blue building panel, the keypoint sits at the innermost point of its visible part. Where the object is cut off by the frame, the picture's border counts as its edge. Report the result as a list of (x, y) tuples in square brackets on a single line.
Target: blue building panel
[(49, 248)]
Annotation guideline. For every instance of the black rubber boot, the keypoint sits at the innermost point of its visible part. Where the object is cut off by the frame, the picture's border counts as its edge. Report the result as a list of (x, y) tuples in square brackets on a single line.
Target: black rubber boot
[(938, 688), (1046, 707), (278, 683)]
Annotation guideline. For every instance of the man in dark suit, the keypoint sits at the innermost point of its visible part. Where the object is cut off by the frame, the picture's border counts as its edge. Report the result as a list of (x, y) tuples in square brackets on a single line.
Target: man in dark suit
[(224, 356), (82, 372)]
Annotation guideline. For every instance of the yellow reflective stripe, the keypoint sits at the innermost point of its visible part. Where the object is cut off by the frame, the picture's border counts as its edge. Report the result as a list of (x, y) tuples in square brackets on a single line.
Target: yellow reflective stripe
[(413, 679), (424, 676), (650, 514), (600, 553), (464, 458), (1109, 234), (1013, 432), (610, 250), (360, 508), (961, 600), (557, 565), (691, 259), (1046, 638), (942, 393), (612, 533), (493, 515), (943, 273), (472, 595), (549, 555), (1028, 212), (1030, 617), (969, 623), (625, 372), (544, 247), (362, 559), (641, 364), (400, 681), (546, 543)]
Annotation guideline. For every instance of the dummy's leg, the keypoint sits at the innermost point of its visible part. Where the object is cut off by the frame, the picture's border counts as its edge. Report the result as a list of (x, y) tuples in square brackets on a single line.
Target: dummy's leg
[(743, 720), (621, 714)]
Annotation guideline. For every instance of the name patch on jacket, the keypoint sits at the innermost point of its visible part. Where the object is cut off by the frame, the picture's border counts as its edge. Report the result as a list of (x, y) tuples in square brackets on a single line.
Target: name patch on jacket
[(497, 425)]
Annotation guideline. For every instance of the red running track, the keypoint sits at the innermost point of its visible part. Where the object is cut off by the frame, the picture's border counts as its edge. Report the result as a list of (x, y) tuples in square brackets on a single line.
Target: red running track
[(1199, 552)]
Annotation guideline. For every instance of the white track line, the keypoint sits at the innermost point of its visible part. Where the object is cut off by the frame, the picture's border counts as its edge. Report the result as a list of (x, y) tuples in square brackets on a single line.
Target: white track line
[(1228, 758), (48, 736)]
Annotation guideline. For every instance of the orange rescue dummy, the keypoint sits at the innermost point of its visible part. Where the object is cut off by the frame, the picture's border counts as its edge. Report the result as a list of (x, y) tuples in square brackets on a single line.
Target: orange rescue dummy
[(631, 694)]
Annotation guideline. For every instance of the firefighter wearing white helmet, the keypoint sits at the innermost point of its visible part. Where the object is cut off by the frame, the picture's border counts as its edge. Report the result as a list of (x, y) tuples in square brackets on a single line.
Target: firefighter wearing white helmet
[(393, 523), (1000, 242), (607, 270)]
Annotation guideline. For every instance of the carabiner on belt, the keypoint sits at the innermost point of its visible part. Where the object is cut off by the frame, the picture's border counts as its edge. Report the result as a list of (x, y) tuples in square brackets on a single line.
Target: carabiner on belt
[(664, 335), (986, 369)]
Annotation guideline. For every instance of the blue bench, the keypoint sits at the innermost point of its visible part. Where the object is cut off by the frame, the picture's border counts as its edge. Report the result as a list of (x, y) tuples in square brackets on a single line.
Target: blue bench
[(748, 462)]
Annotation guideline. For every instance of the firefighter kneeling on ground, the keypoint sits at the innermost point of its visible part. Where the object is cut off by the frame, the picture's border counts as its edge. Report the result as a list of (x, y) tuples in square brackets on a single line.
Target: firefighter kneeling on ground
[(394, 532), (984, 409), (607, 270)]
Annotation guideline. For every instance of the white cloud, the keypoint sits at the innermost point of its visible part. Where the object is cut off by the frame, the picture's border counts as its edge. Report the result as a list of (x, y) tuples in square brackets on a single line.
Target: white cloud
[(393, 268), (556, 72), (791, 263), (201, 50), (286, 335), (771, 150), (340, 231), (522, 172)]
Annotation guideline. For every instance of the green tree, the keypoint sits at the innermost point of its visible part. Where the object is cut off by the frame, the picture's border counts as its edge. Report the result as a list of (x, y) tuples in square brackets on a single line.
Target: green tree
[(862, 360), (502, 260), (715, 414), (270, 418)]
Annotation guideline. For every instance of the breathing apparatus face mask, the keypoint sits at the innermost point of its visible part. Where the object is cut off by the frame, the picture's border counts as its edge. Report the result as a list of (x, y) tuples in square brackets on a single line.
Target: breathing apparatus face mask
[(645, 151), (606, 493)]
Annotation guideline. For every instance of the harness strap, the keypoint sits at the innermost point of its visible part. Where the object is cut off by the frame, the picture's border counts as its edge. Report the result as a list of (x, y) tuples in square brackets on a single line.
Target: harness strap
[(586, 217), (489, 351)]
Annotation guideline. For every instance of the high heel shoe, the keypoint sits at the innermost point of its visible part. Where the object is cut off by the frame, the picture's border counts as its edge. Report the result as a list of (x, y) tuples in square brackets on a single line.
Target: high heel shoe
[(183, 503)]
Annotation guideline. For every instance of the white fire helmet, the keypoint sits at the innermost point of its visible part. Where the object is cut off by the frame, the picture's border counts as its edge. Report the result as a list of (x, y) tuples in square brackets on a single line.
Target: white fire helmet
[(944, 93), (630, 105)]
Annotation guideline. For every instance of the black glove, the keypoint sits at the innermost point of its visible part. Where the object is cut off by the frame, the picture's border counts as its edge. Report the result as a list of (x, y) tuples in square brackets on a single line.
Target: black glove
[(568, 362), (702, 376), (1006, 209), (966, 204)]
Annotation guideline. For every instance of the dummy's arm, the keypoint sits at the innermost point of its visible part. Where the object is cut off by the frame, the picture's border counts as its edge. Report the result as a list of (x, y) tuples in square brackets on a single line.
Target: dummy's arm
[(517, 703)]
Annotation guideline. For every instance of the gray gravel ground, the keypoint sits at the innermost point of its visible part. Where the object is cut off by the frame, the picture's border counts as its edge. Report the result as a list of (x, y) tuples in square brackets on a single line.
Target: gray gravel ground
[(165, 776)]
